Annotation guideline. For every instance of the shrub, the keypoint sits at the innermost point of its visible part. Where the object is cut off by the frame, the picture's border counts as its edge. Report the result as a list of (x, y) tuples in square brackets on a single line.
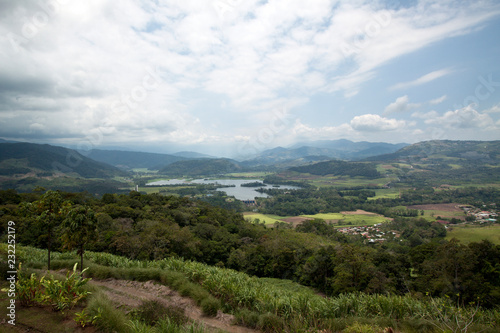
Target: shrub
[(210, 306), (109, 318), (152, 311), (270, 322), (29, 289), (247, 318)]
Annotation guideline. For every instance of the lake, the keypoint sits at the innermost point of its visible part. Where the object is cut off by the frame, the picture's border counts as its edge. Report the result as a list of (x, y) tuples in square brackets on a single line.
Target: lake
[(238, 191)]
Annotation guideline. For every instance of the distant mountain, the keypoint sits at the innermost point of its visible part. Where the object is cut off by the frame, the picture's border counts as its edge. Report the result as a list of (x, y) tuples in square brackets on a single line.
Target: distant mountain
[(322, 150), (201, 167), (446, 151), (192, 154), (7, 141), (46, 160), (349, 150), (133, 159)]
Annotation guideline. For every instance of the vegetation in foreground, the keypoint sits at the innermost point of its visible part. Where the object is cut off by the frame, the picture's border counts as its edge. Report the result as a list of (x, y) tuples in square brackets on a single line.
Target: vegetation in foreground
[(267, 304)]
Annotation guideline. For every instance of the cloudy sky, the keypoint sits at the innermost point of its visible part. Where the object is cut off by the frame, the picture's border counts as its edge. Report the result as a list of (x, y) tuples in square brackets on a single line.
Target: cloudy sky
[(231, 77)]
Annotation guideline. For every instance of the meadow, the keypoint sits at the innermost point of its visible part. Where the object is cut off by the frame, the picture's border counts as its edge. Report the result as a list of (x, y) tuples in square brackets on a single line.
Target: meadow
[(468, 234), (267, 219), (347, 219)]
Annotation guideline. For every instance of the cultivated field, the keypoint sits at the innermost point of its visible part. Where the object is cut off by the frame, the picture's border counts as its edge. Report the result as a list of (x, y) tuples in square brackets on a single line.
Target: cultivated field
[(267, 219), (346, 219), (342, 219), (432, 211)]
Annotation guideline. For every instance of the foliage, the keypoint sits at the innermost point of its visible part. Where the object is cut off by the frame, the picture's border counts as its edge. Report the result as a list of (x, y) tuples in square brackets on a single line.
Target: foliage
[(108, 318), (79, 228), (29, 290), (61, 295), (152, 311), (84, 318)]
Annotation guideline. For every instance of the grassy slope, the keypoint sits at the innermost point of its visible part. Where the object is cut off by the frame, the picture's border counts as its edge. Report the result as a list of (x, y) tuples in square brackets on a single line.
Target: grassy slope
[(468, 234)]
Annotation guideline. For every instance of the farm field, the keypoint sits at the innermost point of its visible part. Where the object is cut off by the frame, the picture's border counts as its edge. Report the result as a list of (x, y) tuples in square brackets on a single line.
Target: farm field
[(267, 219), (432, 211), (467, 234), (343, 219), (390, 193)]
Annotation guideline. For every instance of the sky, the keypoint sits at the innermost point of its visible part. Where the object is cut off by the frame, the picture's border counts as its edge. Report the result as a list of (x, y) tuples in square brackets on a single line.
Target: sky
[(234, 77)]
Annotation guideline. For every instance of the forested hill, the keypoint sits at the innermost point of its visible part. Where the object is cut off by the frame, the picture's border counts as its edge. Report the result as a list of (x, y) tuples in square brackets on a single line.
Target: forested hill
[(200, 167), (340, 168), (441, 150), (47, 160), (133, 159)]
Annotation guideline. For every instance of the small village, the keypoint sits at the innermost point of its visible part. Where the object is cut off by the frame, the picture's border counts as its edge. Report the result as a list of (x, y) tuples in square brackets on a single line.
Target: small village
[(372, 233)]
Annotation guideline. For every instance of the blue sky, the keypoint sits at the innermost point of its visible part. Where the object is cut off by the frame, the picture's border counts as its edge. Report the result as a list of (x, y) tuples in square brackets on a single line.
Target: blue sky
[(232, 77)]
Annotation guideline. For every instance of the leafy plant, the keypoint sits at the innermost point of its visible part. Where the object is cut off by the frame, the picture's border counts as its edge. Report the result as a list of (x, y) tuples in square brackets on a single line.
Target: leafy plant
[(84, 318), (29, 289), (65, 294)]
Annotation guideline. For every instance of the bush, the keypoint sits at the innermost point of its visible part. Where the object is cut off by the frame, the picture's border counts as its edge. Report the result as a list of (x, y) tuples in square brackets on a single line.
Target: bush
[(109, 318), (247, 318), (270, 323), (152, 311), (210, 306)]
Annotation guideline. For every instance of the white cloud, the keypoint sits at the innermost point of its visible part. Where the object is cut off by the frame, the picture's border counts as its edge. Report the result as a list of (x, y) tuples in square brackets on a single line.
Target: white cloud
[(463, 118), (375, 123), (75, 73), (421, 80), (402, 104), (428, 115), (438, 100), (493, 109)]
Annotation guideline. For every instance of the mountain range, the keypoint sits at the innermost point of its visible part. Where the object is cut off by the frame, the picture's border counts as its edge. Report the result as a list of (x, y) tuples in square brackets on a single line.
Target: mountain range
[(46, 160)]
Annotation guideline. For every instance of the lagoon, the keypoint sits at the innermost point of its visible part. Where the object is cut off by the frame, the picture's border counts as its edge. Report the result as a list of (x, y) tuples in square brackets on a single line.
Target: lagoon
[(239, 192)]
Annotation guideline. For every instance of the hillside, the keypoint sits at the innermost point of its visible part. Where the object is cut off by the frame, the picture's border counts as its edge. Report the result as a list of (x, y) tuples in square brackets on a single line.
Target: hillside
[(47, 160), (340, 168), (462, 152), (133, 159), (200, 167), (445, 162), (316, 151)]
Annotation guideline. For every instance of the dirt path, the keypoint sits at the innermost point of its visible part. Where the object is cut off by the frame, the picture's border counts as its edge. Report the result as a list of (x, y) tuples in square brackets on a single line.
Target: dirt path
[(130, 294)]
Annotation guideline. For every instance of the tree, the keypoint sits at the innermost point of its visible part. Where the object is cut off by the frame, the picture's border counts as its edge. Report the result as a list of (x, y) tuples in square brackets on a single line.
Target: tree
[(79, 228), (49, 211)]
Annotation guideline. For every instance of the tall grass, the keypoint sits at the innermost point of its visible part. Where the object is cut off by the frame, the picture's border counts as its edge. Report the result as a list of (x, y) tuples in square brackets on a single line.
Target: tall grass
[(271, 298)]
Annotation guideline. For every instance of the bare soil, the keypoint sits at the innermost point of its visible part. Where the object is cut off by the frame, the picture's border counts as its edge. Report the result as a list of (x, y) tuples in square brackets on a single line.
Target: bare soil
[(296, 220), (359, 212), (448, 207), (130, 294)]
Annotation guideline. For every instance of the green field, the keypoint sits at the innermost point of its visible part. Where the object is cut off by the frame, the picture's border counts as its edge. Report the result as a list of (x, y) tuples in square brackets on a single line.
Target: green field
[(433, 214), (347, 220), (267, 219), (390, 193), (468, 234)]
